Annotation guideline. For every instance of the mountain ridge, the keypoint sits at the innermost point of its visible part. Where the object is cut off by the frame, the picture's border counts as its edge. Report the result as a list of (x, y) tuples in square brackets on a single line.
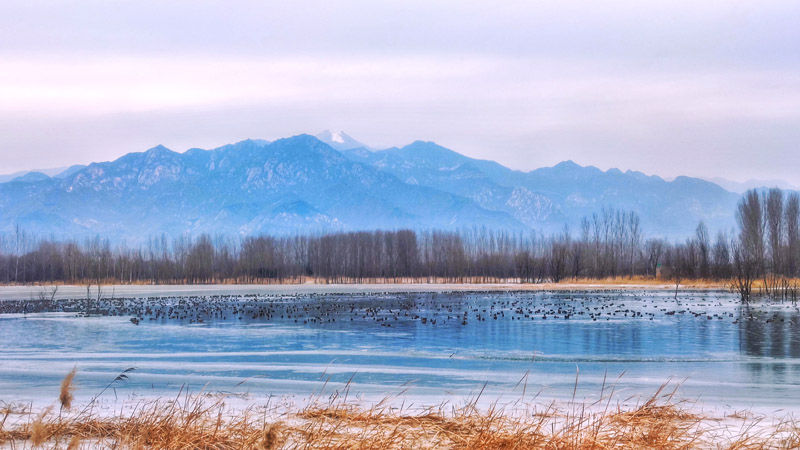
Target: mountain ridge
[(239, 189), (302, 184)]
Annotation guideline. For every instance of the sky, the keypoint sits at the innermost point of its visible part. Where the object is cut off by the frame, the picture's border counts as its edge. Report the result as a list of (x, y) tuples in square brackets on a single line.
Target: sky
[(703, 88)]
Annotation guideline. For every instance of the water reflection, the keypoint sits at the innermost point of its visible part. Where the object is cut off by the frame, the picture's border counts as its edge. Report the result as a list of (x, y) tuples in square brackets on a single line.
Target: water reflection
[(431, 345), (768, 332)]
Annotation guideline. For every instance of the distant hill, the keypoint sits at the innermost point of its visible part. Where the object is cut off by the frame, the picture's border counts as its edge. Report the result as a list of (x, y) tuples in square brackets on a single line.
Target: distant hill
[(743, 186), (302, 184), (58, 172), (548, 198), (298, 184)]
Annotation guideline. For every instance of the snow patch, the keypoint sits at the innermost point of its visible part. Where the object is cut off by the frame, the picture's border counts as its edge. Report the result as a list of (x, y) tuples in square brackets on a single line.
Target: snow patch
[(336, 136)]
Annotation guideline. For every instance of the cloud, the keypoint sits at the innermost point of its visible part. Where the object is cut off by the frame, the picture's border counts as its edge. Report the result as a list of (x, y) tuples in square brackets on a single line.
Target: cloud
[(640, 85)]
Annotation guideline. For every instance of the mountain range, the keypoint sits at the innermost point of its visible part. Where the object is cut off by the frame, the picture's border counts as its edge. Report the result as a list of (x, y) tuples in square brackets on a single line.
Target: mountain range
[(332, 182)]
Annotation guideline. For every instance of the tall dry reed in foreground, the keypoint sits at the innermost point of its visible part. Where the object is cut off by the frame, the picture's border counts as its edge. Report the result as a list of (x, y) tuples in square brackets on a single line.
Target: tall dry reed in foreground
[(204, 422), (67, 387)]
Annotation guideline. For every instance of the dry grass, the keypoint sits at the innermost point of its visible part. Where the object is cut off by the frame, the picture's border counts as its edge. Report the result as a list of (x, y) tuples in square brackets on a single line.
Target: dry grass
[(619, 282), (204, 422), (65, 393)]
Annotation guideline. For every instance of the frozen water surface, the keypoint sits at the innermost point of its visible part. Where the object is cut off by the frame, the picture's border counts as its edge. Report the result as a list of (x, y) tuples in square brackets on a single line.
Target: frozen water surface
[(429, 347)]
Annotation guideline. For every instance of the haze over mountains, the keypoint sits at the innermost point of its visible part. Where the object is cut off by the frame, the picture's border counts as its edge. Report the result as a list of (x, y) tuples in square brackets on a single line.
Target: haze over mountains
[(743, 186), (333, 182)]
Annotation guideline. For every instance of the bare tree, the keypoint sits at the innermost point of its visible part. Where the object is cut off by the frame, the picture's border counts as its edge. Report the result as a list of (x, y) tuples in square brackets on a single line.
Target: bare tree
[(675, 269), (559, 255), (721, 257), (792, 226), (745, 269), (703, 247), (748, 251), (654, 248)]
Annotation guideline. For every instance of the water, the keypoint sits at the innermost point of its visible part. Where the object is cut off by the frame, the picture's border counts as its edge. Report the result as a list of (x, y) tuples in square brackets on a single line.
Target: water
[(424, 348)]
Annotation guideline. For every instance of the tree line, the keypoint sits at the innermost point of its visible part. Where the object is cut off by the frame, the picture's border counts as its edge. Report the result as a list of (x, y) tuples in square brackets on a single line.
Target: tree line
[(763, 252)]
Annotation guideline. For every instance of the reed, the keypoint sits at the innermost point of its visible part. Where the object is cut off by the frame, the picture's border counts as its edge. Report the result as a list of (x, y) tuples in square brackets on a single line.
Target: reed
[(202, 421), (65, 393)]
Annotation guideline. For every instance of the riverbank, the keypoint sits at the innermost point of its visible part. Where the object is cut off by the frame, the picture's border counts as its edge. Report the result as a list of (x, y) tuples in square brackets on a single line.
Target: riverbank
[(208, 421), (36, 292)]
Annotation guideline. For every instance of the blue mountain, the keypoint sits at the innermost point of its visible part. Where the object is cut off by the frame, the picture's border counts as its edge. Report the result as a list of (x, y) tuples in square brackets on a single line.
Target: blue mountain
[(298, 184), (548, 198), (302, 184)]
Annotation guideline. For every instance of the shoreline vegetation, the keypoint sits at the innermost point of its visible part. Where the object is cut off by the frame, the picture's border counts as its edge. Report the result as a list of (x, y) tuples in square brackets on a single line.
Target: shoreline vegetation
[(111, 289), (486, 282), (763, 258), (205, 420)]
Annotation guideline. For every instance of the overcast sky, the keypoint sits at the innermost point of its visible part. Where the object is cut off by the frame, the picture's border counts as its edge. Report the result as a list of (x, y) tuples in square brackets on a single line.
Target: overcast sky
[(706, 88)]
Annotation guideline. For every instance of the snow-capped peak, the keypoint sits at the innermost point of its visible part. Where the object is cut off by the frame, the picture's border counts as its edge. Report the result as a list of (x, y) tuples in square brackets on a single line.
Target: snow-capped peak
[(336, 136), (339, 140)]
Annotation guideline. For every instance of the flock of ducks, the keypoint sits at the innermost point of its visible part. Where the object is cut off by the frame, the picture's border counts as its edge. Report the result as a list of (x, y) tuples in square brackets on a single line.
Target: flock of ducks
[(389, 310)]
